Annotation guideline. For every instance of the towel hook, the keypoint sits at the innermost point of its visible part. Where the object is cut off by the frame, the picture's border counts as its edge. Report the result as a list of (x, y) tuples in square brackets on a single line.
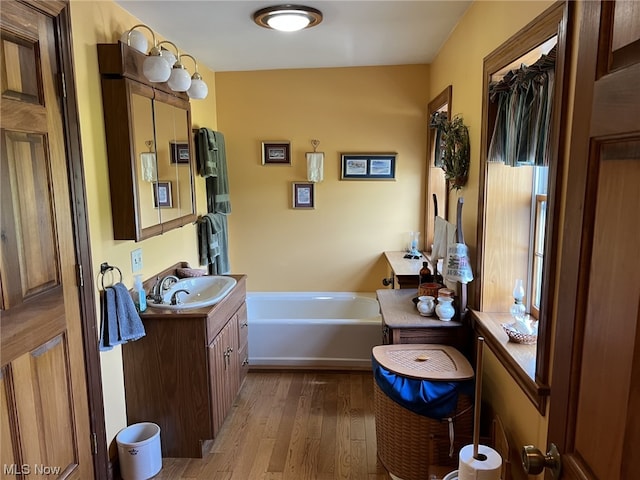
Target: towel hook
[(149, 144), (314, 144), (104, 268)]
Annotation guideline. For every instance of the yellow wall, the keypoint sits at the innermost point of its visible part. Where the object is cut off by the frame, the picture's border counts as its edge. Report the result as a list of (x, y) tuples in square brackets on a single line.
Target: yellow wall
[(103, 22), (485, 26), (337, 246)]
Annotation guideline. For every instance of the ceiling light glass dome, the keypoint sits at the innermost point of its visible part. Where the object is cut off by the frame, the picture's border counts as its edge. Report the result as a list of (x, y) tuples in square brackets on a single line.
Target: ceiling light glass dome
[(287, 18)]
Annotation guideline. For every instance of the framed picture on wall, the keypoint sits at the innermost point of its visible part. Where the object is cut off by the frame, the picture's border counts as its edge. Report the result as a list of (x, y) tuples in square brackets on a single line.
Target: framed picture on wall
[(162, 195), (179, 152), (276, 153), (368, 166), (303, 195)]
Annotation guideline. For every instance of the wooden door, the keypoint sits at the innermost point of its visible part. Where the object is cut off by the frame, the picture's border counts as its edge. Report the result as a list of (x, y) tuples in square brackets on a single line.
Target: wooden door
[(44, 419), (595, 392)]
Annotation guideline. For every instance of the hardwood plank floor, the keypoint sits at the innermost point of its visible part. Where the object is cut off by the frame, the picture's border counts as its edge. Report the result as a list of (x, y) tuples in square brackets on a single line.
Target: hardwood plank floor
[(292, 426)]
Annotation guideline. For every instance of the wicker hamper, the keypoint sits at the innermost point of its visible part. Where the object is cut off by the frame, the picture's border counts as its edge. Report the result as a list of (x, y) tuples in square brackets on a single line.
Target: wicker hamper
[(408, 443)]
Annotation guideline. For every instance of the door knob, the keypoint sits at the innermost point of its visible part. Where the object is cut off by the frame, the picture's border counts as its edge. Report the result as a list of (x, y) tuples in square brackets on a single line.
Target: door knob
[(534, 461)]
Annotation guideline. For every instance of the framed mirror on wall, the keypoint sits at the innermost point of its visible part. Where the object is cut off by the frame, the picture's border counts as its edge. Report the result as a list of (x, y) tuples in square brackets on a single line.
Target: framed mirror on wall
[(520, 183), (436, 201)]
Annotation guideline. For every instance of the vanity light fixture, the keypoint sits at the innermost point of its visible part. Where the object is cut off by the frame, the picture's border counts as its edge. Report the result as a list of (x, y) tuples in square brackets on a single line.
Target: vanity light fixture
[(198, 89), (179, 80), (163, 65), (167, 54), (154, 67), (288, 18)]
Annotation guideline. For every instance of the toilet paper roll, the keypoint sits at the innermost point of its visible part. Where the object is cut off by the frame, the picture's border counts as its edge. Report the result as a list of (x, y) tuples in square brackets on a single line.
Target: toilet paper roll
[(488, 467)]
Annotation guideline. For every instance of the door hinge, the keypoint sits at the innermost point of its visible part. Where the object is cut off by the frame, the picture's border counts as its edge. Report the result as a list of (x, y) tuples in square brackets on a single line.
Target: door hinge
[(94, 443), (80, 275)]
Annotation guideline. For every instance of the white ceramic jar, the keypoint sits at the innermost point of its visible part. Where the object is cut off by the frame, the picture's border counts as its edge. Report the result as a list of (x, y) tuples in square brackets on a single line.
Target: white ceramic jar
[(426, 305), (444, 309)]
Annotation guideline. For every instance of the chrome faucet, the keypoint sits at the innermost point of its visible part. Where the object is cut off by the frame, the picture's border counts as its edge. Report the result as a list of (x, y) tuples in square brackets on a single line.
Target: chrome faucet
[(159, 287), (175, 299)]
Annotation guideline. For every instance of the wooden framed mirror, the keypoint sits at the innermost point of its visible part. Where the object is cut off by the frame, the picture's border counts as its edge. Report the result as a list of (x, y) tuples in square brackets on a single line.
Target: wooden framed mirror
[(149, 147), (518, 207), (437, 191)]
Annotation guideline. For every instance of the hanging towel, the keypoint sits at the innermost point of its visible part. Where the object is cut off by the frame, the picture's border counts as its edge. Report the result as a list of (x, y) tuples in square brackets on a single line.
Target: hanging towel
[(120, 322), (212, 159), (214, 248), (444, 234), (209, 245), (315, 161), (207, 153)]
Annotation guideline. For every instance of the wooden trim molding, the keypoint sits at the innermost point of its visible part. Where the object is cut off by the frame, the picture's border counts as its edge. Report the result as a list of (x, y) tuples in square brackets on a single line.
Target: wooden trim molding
[(82, 241)]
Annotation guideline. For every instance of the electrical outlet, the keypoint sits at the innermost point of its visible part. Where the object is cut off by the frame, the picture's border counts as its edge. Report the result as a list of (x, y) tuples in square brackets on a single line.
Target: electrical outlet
[(136, 260)]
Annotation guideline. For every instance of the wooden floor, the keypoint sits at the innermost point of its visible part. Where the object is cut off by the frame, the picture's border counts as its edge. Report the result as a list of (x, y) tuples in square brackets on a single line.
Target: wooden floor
[(293, 426)]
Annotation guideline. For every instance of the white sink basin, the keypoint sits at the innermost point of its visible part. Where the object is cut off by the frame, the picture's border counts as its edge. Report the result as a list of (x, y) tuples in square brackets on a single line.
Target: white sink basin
[(203, 292)]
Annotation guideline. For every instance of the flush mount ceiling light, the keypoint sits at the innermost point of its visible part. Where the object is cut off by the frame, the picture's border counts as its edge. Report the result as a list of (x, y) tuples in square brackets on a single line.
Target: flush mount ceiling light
[(287, 18)]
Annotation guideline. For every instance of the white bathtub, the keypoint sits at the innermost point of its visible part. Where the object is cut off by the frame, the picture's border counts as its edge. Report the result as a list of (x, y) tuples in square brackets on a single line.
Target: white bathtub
[(313, 329)]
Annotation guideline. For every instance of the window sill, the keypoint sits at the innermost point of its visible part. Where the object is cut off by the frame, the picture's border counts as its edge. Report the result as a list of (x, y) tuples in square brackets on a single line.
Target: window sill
[(518, 359)]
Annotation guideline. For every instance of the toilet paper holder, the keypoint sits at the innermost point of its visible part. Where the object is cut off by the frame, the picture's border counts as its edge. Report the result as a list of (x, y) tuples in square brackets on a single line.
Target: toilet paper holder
[(534, 461)]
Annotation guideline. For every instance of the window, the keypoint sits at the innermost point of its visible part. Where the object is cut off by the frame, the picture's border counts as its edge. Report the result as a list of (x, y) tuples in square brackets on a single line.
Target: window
[(538, 223), (537, 253)]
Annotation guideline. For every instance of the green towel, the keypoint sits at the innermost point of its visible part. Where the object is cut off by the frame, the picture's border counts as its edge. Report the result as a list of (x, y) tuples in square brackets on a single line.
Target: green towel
[(212, 159), (214, 247)]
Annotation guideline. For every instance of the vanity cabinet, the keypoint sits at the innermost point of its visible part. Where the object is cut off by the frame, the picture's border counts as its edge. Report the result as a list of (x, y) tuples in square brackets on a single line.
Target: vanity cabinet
[(149, 148), (185, 373), (228, 357)]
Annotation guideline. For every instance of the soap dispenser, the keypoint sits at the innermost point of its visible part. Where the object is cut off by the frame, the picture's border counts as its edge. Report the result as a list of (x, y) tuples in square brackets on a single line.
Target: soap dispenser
[(139, 295)]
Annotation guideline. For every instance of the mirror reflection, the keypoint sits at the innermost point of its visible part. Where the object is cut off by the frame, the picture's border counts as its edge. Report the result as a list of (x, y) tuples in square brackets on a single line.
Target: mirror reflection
[(174, 161), (437, 190), (146, 173)]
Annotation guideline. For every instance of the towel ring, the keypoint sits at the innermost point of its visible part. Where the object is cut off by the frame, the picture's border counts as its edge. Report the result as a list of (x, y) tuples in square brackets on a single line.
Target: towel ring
[(104, 268), (314, 144)]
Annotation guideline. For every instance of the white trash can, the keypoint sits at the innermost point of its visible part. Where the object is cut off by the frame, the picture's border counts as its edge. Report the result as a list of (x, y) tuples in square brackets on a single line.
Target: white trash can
[(139, 451)]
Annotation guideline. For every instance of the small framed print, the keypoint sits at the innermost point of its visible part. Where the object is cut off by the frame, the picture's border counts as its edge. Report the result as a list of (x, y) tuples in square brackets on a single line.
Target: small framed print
[(162, 195), (368, 166), (303, 195), (179, 152), (276, 153)]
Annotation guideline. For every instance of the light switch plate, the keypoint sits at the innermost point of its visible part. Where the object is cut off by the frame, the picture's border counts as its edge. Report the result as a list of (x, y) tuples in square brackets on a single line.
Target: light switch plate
[(136, 260)]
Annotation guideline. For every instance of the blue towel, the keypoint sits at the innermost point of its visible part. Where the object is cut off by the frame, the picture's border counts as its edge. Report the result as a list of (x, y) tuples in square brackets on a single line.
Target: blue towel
[(120, 322)]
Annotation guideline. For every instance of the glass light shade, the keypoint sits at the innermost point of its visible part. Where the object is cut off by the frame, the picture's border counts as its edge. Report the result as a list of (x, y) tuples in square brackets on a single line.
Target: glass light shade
[(136, 40), (168, 56), (290, 22), (518, 290), (179, 80), (156, 69), (198, 89)]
